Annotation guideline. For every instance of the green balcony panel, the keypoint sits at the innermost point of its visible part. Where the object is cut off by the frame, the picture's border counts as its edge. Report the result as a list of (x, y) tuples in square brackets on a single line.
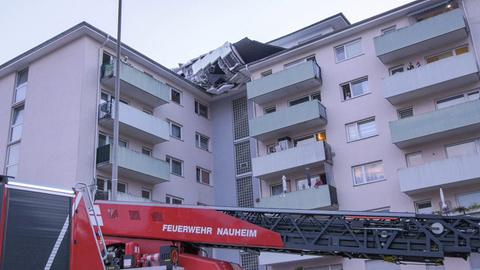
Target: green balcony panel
[(445, 74), (434, 32), (134, 165), (454, 120), (136, 84), (323, 197), (451, 172), (287, 121), (286, 161), (135, 123), (289, 81)]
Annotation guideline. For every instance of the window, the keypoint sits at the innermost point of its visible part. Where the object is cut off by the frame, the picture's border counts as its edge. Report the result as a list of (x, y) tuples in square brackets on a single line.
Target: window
[(348, 50), (367, 173), (175, 130), (21, 85), (147, 194), (468, 199), (299, 61), (176, 166), (456, 51), (277, 189), (106, 185), (13, 157), (414, 159), (304, 140), (315, 182), (17, 124), (201, 109), (175, 96), (389, 29), (147, 111), (462, 149), (361, 129), (270, 109), (271, 148), (202, 141), (121, 187), (266, 73), (457, 99), (146, 151), (424, 207), (405, 112), (396, 69), (298, 101), (173, 199), (313, 96), (203, 176), (355, 88), (105, 140)]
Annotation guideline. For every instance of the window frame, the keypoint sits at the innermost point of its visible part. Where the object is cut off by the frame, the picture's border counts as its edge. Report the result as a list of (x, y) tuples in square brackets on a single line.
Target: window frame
[(464, 98), (266, 73), (169, 159), (18, 86), (363, 166), (350, 85), (416, 204), (149, 193), (180, 126), (389, 29), (171, 198), (411, 154), (356, 123), (399, 115), (344, 46), (147, 149), (475, 141), (199, 178), (269, 109), (197, 109), (173, 89), (390, 70), (198, 144), (280, 184)]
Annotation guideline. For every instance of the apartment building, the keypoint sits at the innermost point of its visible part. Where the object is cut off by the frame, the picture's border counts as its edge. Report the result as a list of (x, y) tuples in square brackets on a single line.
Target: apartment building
[(380, 115)]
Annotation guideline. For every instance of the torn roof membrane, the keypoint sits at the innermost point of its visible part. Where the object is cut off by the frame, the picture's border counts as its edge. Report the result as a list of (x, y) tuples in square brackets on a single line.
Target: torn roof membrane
[(218, 70)]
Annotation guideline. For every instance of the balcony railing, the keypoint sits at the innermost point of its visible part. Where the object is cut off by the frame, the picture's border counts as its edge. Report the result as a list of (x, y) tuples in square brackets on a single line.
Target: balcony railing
[(284, 122), (445, 74), (420, 37), (291, 80), (133, 165), (135, 123), (323, 197), (450, 121), (291, 159), (136, 84)]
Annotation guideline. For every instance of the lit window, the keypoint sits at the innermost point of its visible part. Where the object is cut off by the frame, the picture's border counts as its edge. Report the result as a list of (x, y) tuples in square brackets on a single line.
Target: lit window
[(348, 50), (176, 166), (201, 109), (175, 96), (173, 199), (175, 130), (367, 173), (361, 129), (203, 176), (202, 141), (355, 88)]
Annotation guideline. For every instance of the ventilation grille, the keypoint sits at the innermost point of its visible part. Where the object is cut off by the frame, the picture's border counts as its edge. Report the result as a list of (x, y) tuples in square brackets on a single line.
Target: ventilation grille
[(242, 157), (244, 192)]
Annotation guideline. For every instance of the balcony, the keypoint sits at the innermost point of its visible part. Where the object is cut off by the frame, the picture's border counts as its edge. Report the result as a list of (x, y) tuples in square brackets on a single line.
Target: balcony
[(449, 172), (434, 125), (136, 84), (422, 36), (292, 159), (135, 123), (134, 165), (284, 122), (297, 78), (448, 73), (323, 197)]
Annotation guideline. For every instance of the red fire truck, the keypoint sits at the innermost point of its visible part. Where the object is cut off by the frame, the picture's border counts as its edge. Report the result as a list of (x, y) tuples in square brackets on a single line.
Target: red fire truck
[(46, 228)]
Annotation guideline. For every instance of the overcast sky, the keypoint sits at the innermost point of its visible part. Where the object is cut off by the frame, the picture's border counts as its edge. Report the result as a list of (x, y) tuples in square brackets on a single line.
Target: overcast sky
[(172, 31)]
